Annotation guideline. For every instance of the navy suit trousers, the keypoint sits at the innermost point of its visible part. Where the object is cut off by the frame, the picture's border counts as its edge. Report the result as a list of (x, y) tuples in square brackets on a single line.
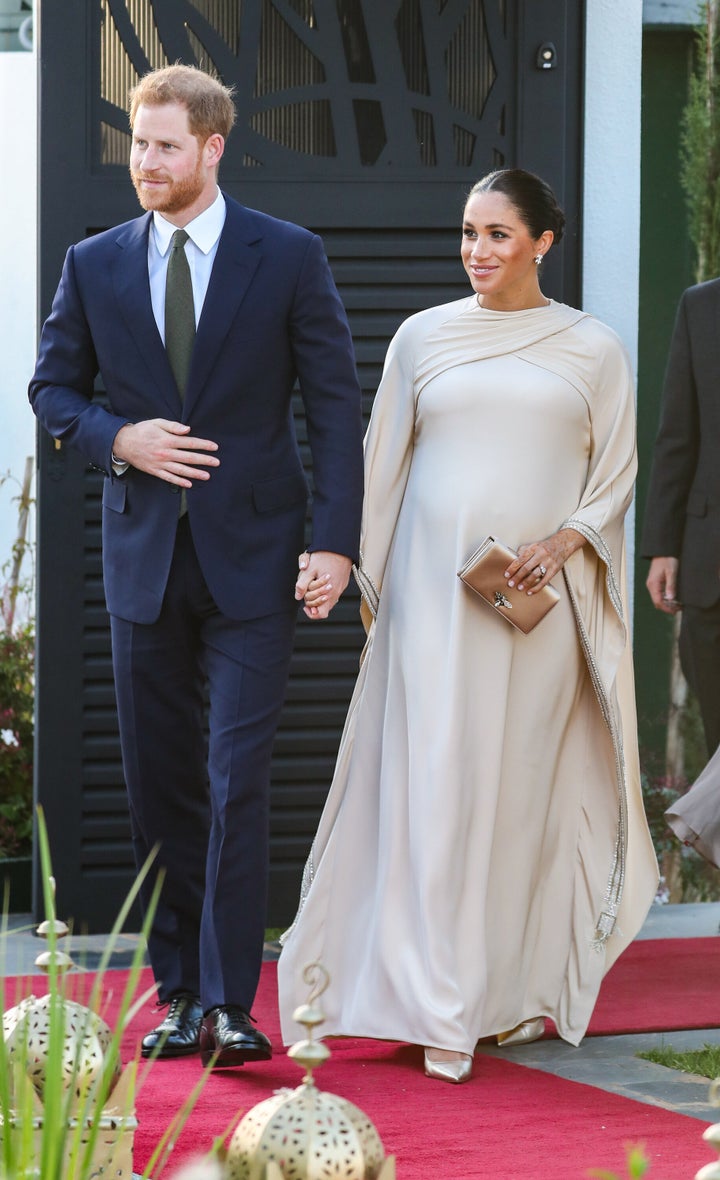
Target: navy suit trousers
[(199, 697)]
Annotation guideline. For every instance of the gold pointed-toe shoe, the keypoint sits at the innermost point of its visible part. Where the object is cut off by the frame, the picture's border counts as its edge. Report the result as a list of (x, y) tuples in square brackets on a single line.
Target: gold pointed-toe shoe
[(529, 1030), (455, 1070)]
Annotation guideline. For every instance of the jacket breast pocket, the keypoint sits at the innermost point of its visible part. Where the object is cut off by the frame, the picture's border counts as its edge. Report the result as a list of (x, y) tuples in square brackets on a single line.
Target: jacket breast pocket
[(274, 495), (114, 495)]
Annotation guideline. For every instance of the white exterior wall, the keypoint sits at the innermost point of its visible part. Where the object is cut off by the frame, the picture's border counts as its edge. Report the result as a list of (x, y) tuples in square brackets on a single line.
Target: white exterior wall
[(18, 281), (611, 176)]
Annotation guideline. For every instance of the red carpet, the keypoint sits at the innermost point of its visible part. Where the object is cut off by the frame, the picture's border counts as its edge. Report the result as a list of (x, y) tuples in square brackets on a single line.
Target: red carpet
[(659, 985), (508, 1122)]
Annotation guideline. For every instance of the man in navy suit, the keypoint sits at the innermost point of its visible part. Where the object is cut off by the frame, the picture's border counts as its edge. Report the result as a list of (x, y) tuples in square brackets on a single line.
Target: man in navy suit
[(204, 508)]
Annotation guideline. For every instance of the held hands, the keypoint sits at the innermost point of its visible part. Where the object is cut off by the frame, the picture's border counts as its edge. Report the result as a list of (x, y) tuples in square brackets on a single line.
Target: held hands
[(165, 449), (662, 584), (538, 562), (323, 577)]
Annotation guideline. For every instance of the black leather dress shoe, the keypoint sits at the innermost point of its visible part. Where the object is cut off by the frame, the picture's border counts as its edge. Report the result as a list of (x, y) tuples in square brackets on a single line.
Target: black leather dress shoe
[(228, 1032), (178, 1035)]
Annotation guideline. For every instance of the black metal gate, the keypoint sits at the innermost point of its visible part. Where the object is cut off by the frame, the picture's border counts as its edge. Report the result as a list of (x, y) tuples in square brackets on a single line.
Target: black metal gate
[(366, 120)]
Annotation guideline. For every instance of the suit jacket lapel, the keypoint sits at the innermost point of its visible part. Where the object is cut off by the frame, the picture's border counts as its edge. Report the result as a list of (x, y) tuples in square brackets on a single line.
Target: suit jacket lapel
[(132, 287), (235, 263)]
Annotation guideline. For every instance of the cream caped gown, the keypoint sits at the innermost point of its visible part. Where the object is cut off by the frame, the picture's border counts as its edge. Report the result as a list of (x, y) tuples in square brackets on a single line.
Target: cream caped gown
[(483, 855)]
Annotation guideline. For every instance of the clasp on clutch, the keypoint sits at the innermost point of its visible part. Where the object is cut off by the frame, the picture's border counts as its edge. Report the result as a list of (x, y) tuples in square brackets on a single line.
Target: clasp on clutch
[(501, 600)]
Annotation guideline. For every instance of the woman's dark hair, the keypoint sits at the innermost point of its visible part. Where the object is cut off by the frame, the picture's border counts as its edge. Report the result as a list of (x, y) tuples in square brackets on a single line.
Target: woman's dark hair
[(533, 199)]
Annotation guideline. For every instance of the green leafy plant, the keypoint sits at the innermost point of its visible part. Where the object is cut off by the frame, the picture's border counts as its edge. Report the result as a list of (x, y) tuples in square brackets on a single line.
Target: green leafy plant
[(17, 690), (700, 146), (637, 1161), (51, 1125), (660, 792)]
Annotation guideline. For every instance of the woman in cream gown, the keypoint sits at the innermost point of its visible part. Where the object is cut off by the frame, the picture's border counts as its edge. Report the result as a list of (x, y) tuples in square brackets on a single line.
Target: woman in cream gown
[(483, 855)]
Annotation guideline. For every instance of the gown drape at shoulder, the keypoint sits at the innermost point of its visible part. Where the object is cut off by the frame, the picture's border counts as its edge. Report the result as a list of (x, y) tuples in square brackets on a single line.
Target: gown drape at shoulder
[(483, 856)]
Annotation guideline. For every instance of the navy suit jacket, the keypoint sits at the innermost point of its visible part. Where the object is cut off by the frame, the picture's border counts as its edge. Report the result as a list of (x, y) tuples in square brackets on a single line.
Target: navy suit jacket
[(682, 517), (271, 314)]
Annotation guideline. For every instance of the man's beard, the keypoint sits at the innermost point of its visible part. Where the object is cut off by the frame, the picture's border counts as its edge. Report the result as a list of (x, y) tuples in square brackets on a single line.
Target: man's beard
[(174, 197)]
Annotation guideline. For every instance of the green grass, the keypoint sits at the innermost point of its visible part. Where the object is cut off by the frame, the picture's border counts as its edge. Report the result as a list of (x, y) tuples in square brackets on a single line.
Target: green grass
[(705, 1061)]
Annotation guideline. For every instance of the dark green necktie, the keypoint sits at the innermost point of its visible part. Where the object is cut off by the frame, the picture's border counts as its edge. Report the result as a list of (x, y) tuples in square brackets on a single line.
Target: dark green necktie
[(179, 311)]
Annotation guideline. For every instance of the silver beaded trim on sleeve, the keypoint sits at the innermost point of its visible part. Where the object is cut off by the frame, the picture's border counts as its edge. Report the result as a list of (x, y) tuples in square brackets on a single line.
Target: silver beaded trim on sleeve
[(605, 924), (598, 544), (307, 880), (367, 587)]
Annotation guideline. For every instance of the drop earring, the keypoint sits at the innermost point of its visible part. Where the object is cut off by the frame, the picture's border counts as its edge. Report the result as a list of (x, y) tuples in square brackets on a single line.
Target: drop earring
[(538, 259)]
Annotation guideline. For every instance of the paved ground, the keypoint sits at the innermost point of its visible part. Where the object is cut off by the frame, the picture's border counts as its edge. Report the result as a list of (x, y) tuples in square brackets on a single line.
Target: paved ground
[(610, 1063)]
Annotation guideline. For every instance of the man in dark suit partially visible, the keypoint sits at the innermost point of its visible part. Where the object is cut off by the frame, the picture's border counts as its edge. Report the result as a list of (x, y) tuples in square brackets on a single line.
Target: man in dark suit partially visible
[(681, 531), (199, 337)]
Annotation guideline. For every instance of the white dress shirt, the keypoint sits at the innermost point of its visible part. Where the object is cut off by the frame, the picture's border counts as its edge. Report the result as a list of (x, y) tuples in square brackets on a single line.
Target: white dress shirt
[(200, 250)]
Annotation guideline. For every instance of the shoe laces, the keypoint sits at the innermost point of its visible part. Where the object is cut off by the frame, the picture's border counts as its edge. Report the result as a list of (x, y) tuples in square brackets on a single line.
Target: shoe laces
[(176, 1004), (238, 1008)]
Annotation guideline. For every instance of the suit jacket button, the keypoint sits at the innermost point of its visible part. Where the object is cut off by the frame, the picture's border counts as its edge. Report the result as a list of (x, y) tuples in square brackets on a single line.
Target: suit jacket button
[(174, 488)]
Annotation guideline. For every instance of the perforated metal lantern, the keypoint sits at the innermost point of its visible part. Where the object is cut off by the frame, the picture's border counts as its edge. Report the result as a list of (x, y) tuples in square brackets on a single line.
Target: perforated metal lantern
[(712, 1136), (53, 1033), (85, 1040), (306, 1133), (309, 1135)]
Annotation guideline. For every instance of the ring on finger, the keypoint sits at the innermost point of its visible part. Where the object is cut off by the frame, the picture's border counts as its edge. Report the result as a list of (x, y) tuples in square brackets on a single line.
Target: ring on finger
[(541, 571)]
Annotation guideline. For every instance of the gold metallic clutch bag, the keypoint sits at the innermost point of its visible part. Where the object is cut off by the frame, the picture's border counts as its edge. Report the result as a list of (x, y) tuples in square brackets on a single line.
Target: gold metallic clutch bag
[(484, 573)]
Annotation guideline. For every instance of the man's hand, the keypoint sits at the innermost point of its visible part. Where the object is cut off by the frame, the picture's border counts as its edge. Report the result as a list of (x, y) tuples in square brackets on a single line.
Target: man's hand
[(323, 577), (662, 584), (165, 449)]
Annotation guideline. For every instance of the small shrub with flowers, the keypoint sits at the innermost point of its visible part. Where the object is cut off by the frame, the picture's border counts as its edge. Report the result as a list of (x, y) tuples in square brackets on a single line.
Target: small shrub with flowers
[(17, 648), (660, 792), (17, 694)]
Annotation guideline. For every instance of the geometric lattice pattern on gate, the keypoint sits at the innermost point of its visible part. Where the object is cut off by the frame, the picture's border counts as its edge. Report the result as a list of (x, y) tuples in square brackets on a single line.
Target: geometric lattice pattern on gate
[(336, 88)]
